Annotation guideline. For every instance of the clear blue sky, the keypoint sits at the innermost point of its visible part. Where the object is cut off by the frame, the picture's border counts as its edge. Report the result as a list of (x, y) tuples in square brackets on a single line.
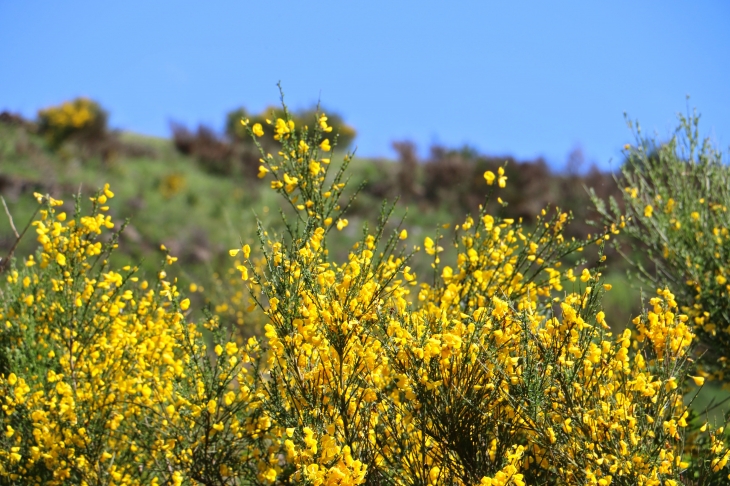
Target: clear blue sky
[(522, 78)]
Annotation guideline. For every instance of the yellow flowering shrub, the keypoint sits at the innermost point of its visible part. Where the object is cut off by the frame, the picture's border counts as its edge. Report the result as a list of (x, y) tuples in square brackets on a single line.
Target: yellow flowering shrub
[(499, 369), (496, 368), (78, 117), (103, 381)]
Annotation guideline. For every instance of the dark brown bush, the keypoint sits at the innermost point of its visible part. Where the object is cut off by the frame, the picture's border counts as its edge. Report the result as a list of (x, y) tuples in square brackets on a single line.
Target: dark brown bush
[(213, 153), (407, 169), (16, 119)]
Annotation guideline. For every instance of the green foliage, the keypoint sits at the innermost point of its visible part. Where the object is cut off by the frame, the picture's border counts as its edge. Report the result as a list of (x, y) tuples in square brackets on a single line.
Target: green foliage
[(674, 211)]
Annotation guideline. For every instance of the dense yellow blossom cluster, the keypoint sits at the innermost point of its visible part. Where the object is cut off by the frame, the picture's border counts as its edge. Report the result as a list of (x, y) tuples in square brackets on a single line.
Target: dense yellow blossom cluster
[(497, 369), (72, 114), (102, 379)]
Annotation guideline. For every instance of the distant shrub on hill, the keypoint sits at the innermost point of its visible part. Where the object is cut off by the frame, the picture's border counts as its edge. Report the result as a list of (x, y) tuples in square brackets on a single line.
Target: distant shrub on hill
[(215, 154), (16, 119), (78, 128), (341, 131), (80, 118)]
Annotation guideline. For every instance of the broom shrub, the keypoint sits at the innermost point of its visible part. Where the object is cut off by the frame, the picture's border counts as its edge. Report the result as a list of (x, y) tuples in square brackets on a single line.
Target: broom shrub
[(496, 368)]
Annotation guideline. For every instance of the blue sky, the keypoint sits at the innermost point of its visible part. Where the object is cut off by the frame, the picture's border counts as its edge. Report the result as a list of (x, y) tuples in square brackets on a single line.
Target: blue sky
[(523, 78)]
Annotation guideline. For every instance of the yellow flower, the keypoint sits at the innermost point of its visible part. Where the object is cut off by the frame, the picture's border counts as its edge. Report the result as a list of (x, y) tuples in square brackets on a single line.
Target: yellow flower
[(341, 223), (433, 475), (283, 128), (231, 348), (489, 177), (185, 304), (502, 181), (270, 475), (403, 234), (648, 211), (428, 243), (258, 130), (325, 145), (699, 381)]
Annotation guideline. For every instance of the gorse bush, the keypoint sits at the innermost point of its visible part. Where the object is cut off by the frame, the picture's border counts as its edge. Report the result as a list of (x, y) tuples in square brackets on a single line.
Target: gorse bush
[(676, 198), (79, 118), (497, 368)]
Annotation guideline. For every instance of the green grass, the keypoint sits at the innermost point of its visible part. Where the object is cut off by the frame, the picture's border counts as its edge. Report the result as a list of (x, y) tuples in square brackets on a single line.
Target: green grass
[(712, 403)]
